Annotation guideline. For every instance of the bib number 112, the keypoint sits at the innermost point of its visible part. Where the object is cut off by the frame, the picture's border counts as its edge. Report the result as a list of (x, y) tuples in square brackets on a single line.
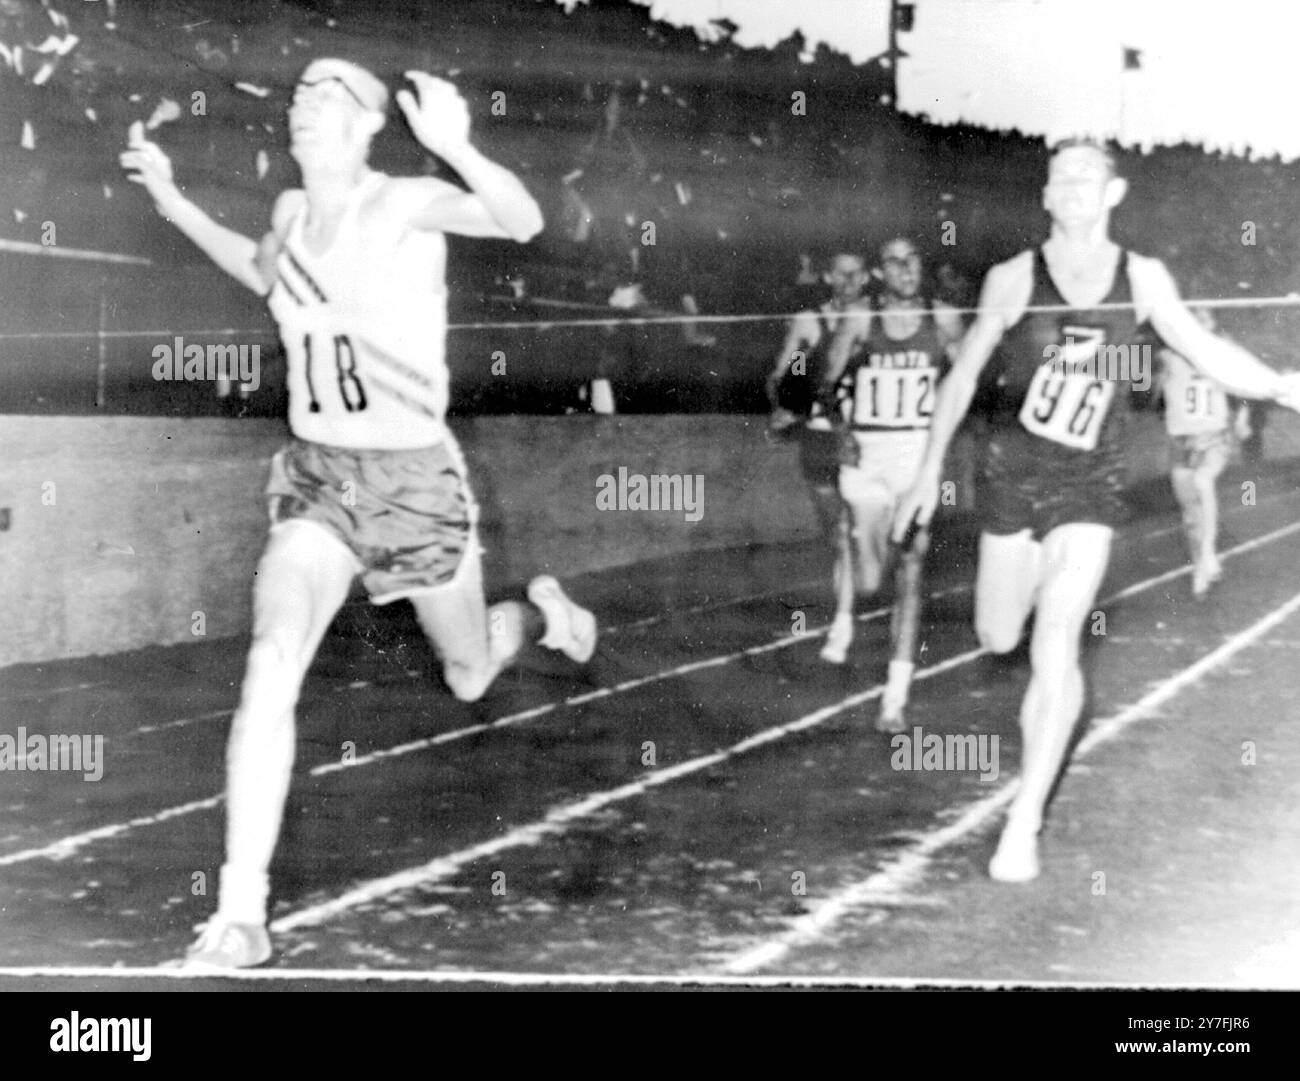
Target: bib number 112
[(893, 398)]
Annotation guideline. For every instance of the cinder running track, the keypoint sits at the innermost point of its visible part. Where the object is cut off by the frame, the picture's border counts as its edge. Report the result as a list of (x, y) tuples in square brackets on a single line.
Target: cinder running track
[(708, 799)]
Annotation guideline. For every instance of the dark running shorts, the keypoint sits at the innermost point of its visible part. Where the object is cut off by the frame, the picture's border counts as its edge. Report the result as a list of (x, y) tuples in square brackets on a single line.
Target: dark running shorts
[(1190, 451), (1015, 496), (407, 515), (819, 457)]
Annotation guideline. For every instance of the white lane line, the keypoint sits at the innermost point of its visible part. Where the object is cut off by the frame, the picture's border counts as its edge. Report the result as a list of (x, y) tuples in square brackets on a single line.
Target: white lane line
[(558, 818), (1103, 731), (1231, 553), (181, 722), (905, 870), (605, 631), (67, 846), (20, 696), (586, 696), (696, 609), (617, 628), (709, 606), (648, 621), (516, 979)]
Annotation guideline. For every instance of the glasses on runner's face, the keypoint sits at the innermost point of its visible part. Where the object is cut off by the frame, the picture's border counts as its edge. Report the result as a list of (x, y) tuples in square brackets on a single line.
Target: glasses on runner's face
[(303, 84)]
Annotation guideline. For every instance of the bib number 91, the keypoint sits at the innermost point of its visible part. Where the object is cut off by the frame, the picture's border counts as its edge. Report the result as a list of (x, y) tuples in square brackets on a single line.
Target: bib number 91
[(1201, 399)]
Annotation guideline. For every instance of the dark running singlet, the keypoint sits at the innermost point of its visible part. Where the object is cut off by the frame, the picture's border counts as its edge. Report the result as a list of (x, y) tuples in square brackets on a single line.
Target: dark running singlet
[(798, 392), (828, 322), (1056, 451), (890, 385), (819, 452)]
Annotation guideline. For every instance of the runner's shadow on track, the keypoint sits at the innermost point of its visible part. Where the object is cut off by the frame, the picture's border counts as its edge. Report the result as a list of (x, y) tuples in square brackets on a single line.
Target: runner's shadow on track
[(367, 641)]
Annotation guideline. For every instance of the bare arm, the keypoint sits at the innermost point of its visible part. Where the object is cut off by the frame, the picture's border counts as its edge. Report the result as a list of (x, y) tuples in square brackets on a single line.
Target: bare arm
[(1004, 295), (803, 334), (1221, 360), (795, 338), (427, 203), (1241, 422), (950, 326), (286, 206), (233, 252), (1161, 381), (497, 204), (854, 328)]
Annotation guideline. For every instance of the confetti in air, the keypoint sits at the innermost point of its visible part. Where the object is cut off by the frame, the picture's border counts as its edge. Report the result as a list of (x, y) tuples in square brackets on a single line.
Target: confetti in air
[(165, 113)]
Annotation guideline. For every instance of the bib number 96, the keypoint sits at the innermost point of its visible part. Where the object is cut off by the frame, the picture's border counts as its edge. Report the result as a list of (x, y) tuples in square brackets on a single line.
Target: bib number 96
[(1068, 408)]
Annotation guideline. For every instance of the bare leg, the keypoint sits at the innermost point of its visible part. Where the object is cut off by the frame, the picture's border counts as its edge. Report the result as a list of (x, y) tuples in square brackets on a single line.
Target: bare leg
[(302, 580), (904, 627), (474, 642), (1073, 563), (843, 573), (870, 521), (1189, 500), (833, 516), (1006, 584), (830, 510), (1205, 480), (906, 618), (860, 562)]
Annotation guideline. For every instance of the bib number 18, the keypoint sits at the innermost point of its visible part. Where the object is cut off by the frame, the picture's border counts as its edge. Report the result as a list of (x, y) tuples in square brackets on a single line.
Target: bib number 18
[(345, 364)]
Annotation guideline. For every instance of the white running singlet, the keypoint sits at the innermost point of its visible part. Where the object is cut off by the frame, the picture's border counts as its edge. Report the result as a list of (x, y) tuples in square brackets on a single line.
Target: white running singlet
[(1193, 403), (364, 328)]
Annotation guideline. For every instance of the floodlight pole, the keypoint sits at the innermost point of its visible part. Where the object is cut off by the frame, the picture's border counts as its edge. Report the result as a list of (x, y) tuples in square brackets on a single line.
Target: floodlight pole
[(900, 11)]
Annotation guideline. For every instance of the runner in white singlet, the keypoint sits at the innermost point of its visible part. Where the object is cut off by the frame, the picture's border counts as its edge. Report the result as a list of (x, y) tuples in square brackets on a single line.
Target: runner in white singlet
[(1199, 420), (885, 366), (373, 482)]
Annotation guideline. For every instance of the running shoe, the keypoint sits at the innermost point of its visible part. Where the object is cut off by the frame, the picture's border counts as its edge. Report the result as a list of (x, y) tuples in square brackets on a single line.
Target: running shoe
[(1204, 575), (894, 700), (224, 944), (1016, 859), (570, 628), (836, 649)]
